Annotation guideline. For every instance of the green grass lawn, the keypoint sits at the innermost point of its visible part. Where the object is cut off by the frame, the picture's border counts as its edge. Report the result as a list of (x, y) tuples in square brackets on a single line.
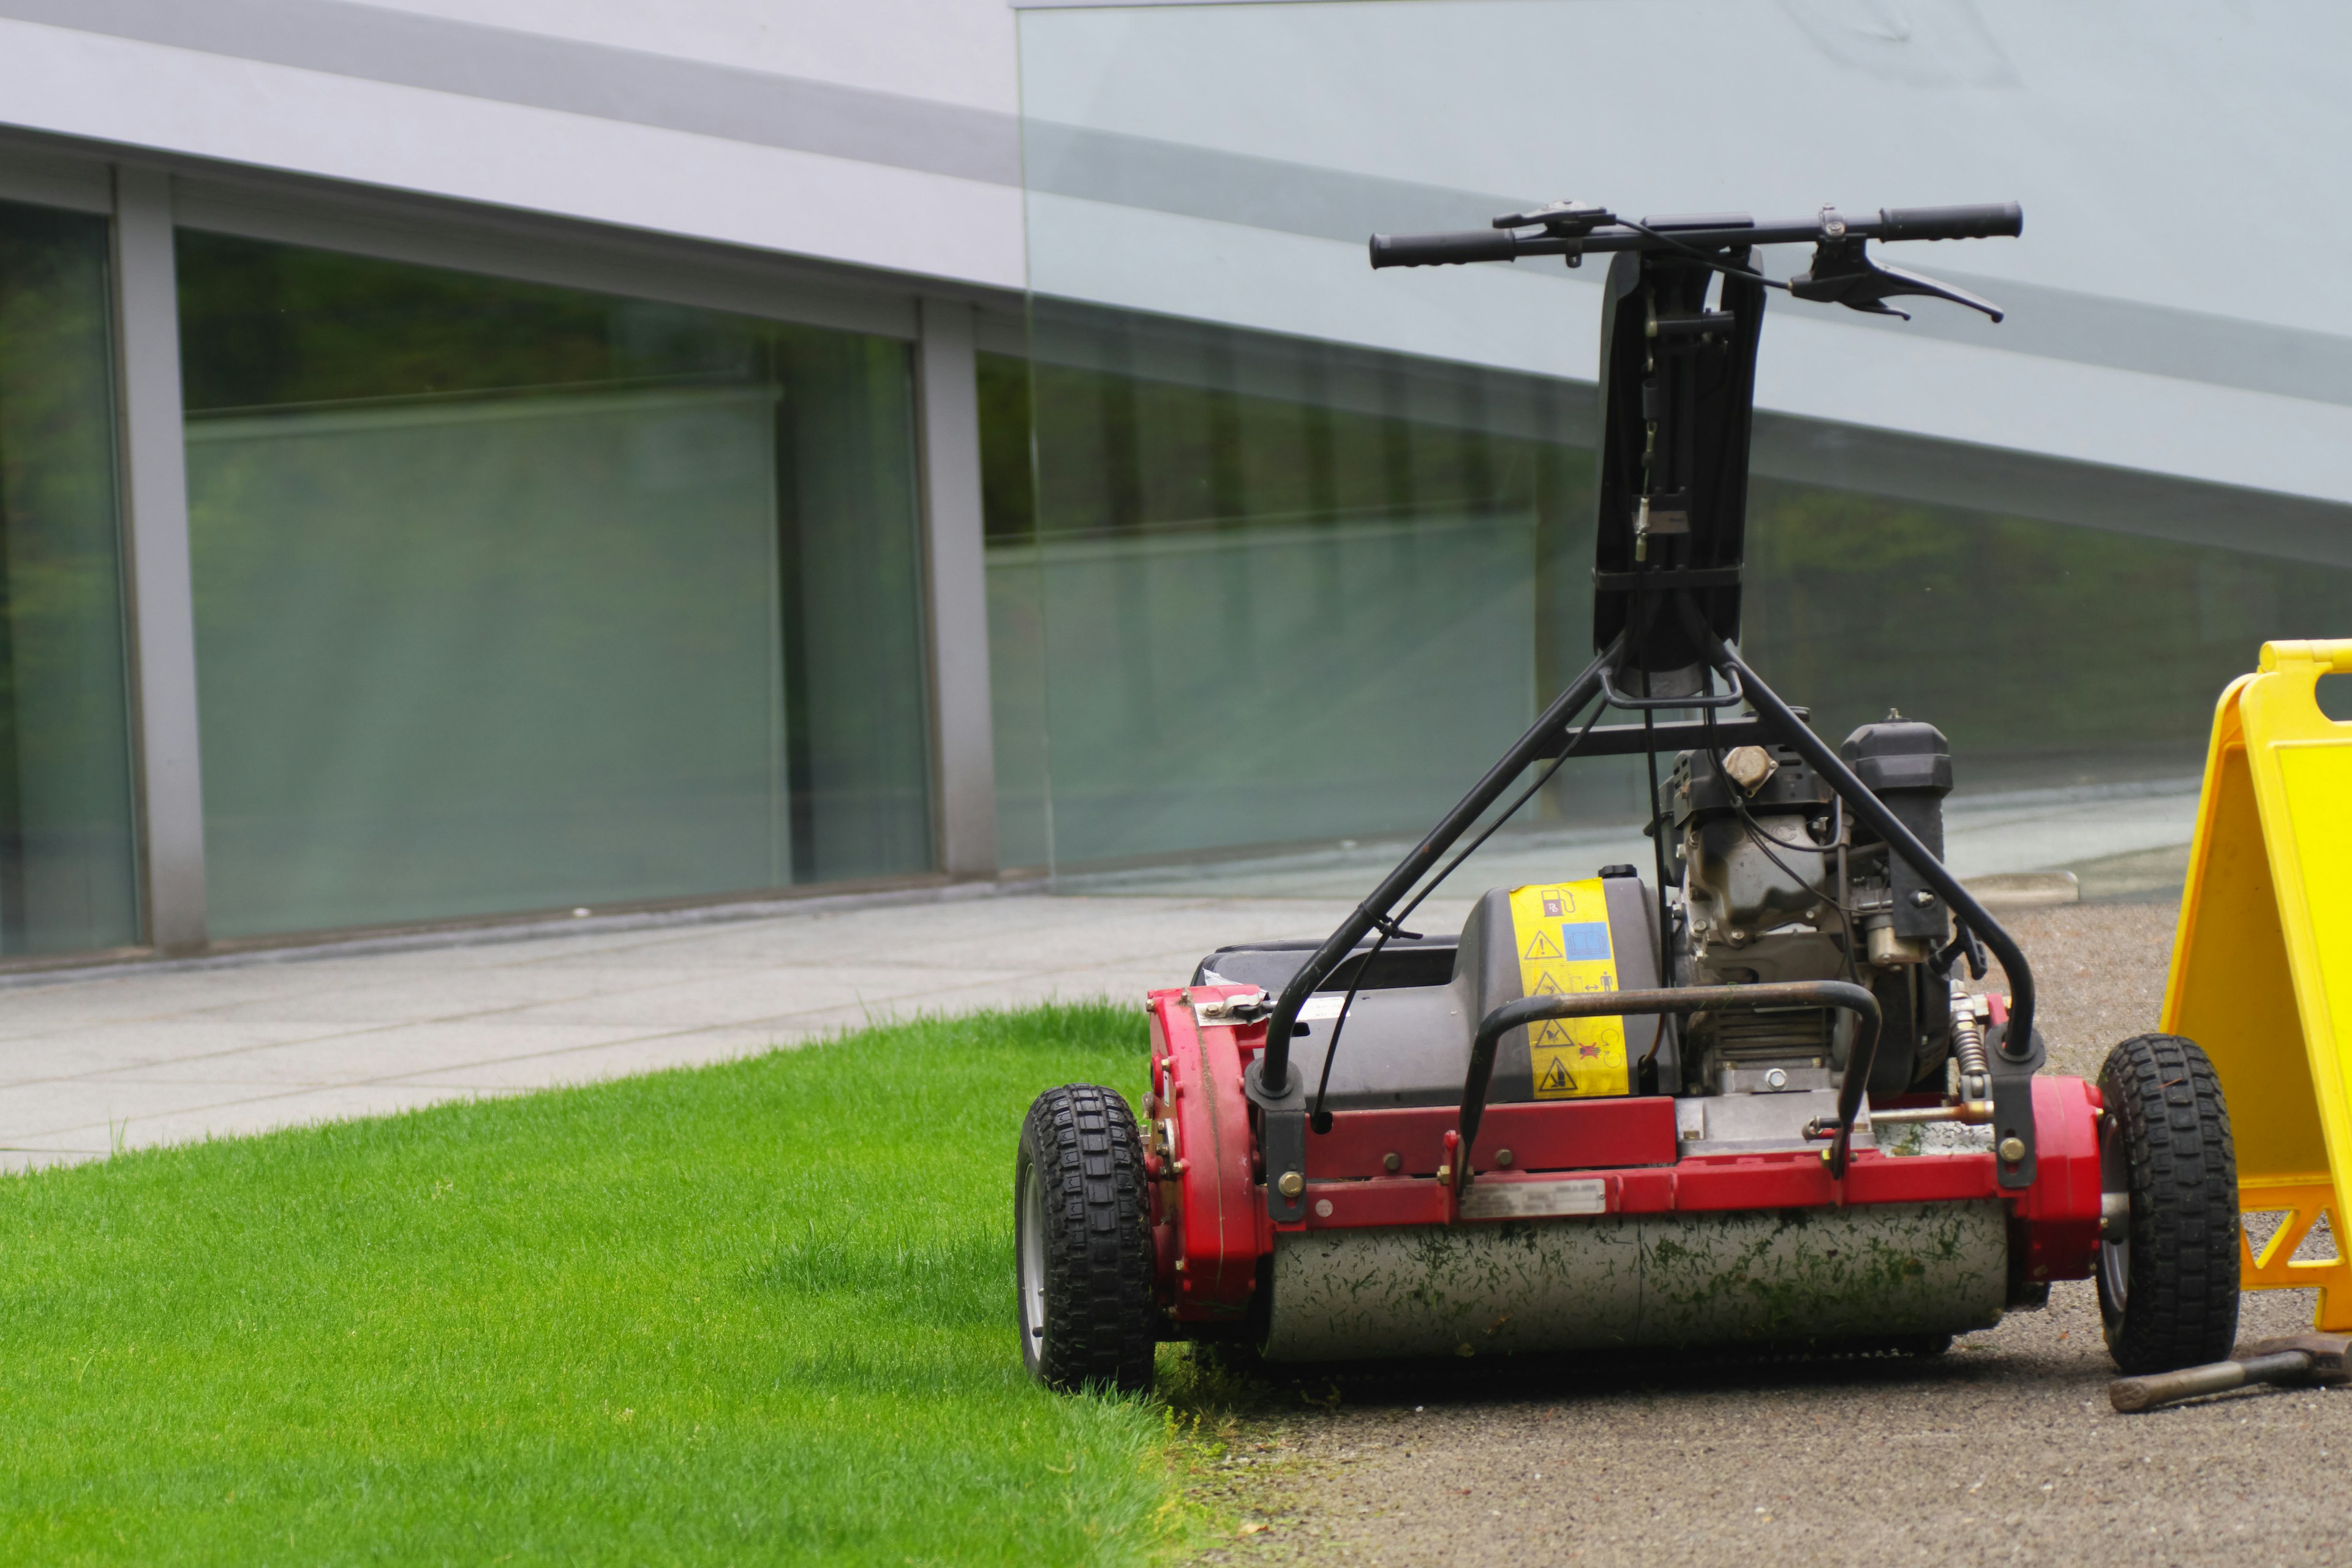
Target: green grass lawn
[(755, 1312)]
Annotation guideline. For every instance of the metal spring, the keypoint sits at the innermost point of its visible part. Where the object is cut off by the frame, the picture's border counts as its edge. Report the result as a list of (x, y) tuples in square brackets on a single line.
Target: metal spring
[(1969, 1049)]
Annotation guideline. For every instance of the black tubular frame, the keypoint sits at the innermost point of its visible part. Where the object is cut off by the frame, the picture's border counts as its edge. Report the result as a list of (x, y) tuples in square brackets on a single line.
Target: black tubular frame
[(1852, 1085), (1775, 716), (1871, 810), (1654, 262), (1540, 744)]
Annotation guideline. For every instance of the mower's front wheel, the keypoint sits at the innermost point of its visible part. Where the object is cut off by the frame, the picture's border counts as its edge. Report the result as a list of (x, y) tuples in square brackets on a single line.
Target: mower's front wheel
[(1082, 1241), (2169, 1244)]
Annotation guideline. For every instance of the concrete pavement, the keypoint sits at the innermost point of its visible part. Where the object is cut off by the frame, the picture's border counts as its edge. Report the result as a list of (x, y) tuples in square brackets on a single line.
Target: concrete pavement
[(127, 1058)]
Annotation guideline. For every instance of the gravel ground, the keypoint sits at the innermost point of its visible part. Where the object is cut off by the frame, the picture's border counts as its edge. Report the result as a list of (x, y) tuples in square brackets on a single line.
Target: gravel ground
[(2003, 1450)]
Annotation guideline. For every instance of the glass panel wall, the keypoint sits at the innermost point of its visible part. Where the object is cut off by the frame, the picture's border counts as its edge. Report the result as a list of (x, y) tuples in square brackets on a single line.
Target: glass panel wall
[(2052, 655), (1309, 541), (1254, 594), (1259, 592), (515, 597), (69, 869)]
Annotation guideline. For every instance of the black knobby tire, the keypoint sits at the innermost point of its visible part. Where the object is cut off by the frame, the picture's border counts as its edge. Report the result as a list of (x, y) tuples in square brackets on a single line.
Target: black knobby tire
[(1082, 1243), (2169, 1274)]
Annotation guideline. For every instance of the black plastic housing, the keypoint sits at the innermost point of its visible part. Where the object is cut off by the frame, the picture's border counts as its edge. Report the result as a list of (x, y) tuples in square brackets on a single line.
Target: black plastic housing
[(1907, 765)]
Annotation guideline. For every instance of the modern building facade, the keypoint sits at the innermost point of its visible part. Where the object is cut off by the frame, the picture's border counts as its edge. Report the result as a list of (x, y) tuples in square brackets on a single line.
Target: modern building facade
[(473, 458)]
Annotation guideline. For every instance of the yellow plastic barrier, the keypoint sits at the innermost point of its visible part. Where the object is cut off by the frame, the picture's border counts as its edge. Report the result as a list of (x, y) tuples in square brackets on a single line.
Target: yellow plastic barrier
[(2262, 973)]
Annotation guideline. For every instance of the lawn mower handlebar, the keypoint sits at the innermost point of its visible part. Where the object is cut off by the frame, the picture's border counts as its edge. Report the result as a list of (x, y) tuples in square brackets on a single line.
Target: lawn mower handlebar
[(1985, 220), (1595, 233)]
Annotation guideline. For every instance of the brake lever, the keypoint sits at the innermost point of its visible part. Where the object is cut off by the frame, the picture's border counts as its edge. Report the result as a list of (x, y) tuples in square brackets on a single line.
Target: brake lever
[(1844, 273)]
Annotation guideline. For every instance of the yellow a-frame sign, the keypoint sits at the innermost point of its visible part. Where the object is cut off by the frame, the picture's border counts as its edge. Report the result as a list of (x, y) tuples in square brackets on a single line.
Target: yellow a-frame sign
[(2262, 971)]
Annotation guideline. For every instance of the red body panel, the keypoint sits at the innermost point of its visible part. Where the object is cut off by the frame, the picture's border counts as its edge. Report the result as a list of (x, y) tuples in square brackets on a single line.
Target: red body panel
[(1210, 1200), (1564, 1135), (1218, 1217)]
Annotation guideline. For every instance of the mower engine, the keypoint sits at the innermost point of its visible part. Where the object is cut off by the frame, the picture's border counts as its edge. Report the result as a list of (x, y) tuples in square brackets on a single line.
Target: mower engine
[(1770, 875)]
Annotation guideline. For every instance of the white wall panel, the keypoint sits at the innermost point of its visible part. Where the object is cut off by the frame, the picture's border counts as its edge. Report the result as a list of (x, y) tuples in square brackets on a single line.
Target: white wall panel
[(451, 144)]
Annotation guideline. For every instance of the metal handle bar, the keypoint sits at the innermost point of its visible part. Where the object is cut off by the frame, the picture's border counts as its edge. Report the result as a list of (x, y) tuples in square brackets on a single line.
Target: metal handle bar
[(1984, 221), (1529, 1010), (1616, 698), (1541, 741)]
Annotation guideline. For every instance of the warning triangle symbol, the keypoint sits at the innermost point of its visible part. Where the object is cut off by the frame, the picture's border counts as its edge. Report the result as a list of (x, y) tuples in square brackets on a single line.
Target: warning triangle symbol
[(1542, 947), (1550, 1033), (1555, 1078), (1546, 986)]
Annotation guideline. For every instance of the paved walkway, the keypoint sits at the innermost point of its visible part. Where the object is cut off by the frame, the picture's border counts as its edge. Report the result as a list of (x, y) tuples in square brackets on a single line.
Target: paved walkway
[(136, 1057), (162, 1054)]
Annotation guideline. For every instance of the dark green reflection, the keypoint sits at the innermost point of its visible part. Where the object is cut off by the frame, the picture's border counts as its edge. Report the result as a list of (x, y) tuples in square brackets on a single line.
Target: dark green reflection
[(1228, 616), (513, 597), (68, 872), (2051, 655)]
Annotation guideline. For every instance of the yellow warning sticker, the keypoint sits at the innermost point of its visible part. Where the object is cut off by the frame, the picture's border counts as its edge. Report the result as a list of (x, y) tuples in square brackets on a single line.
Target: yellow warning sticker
[(1562, 935)]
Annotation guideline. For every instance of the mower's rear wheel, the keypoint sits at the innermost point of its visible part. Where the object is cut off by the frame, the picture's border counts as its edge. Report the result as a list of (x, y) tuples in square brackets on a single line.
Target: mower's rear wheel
[(1082, 1241), (2168, 1265)]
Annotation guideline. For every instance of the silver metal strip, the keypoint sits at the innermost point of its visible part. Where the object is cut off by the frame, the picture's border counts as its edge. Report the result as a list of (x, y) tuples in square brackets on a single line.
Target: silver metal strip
[(956, 582), (161, 597), (56, 180), (605, 260)]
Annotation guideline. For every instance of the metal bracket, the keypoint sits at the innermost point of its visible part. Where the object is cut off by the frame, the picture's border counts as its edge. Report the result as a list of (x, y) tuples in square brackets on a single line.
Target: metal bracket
[(2013, 1104), (1282, 1140), (1616, 698)]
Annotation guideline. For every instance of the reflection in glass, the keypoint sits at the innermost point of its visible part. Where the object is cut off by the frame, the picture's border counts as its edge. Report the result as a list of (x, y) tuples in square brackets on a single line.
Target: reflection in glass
[(67, 856), (2051, 655), (1263, 593), (1258, 592), (514, 597)]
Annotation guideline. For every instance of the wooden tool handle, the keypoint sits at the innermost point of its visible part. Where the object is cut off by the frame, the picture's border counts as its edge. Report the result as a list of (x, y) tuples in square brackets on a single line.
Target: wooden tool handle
[(2130, 1394)]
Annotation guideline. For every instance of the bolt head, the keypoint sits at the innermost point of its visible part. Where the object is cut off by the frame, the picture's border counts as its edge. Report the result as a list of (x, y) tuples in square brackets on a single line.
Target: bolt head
[(1922, 899), (1777, 1079), (1392, 1161), (1322, 1208), (1291, 1184), (1501, 1156), (2013, 1148)]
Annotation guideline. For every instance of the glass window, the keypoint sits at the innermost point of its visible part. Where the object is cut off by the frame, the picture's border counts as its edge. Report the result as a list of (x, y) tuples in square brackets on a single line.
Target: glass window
[(1259, 592), (1253, 592), (68, 876), (2051, 655), (514, 597)]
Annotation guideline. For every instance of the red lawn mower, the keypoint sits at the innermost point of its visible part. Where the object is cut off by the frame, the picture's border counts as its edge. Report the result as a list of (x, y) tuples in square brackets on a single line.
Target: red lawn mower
[(1747, 1102)]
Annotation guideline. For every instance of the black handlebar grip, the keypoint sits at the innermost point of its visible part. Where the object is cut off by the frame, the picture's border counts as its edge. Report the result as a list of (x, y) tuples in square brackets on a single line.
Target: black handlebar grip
[(1988, 221), (1441, 249)]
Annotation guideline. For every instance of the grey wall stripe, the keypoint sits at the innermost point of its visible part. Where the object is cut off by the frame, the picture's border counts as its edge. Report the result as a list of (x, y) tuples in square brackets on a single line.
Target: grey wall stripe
[(629, 85), (762, 109), (1329, 203)]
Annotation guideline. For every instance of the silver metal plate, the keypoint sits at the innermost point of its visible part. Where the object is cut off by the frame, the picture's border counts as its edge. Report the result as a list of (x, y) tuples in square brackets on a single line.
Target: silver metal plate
[(1535, 1200)]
